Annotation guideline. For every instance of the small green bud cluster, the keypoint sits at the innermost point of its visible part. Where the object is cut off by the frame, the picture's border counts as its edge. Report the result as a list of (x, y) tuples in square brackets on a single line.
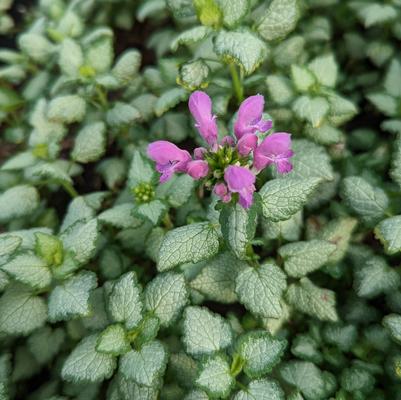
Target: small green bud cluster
[(143, 193)]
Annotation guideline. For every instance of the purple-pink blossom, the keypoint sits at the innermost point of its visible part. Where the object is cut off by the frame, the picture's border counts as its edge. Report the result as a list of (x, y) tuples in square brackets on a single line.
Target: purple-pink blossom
[(200, 106), (169, 158), (250, 117), (229, 167), (275, 149)]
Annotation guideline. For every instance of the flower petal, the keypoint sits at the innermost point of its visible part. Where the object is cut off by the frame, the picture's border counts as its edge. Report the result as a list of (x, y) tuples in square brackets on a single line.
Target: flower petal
[(163, 152), (197, 169), (247, 143), (238, 178)]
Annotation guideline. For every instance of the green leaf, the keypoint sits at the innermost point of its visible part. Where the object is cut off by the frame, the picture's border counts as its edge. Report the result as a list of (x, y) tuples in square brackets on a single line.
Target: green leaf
[(279, 20), (67, 109), (215, 378), (342, 336), (184, 368), (125, 303), (338, 232), (261, 389), (19, 161), (375, 13), (127, 66), (208, 12), (389, 234), (146, 365), (341, 109), (177, 190), (392, 82), (191, 36), (384, 102), (81, 240), (148, 331), (18, 201), (71, 299), (233, 11), (9, 244), (357, 380), (21, 311), (392, 323), (169, 100), (325, 70), (113, 340), (49, 248), (306, 348), (70, 58), (260, 352), (282, 198), (29, 269), (364, 199), (39, 343), (290, 230), (217, 278), (238, 227), (280, 89), (99, 55), (120, 216), (78, 210), (301, 258), (242, 48), (310, 160), (35, 46), (303, 79), (165, 297), (311, 109), (395, 171), (312, 300), (140, 170), (306, 377), (193, 75), (375, 277), (85, 364), (191, 243), (122, 115), (153, 211), (205, 332), (90, 143), (260, 290)]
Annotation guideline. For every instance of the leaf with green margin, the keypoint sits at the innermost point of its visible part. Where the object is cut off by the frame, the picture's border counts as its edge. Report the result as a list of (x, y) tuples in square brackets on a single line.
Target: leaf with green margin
[(392, 323), (367, 201), (191, 36), (311, 109), (21, 311), (282, 198), (215, 378), (30, 270), (260, 352), (306, 348), (238, 227), (113, 340), (190, 243), (375, 277), (85, 364), (204, 331), (357, 380), (301, 258), (241, 47), (233, 11), (177, 190), (261, 389), (312, 300), (49, 248), (125, 303), (389, 234), (165, 297), (146, 365), (121, 216), (169, 100), (71, 299), (153, 211), (261, 289), (141, 170), (67, 109), (325, 70), (90, 142), (216, 280), (303, 79), (279, 19)]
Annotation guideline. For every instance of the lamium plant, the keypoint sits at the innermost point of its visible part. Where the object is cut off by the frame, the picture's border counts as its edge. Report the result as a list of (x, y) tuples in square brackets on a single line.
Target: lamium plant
[(200, 199)]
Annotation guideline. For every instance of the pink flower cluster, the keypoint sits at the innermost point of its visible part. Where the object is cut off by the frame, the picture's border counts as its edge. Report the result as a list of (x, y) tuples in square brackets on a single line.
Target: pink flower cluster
[(231, 166)]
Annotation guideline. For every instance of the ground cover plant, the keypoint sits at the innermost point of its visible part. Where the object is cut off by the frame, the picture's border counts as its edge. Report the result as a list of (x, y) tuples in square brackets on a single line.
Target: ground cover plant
[(200, 199)]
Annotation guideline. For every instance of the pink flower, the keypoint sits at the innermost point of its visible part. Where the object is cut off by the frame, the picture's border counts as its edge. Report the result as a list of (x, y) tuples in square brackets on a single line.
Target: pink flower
[(275, 149), (169, 158), (228, 140), (221, 190), (242, 181), (200, 106), (249, 118), (247, 143), (197, 169)]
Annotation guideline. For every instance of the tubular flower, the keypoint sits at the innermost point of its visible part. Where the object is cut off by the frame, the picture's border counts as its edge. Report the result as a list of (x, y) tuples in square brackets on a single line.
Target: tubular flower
[(229, 167)]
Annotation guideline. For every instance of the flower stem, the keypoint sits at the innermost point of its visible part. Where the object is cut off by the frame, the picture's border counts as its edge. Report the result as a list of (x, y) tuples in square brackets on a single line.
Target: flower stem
[(70, 189), (239, 90)]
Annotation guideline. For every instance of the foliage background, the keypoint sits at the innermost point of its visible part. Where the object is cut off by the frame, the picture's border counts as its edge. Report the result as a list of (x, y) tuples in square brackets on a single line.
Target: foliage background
[(113, 286)]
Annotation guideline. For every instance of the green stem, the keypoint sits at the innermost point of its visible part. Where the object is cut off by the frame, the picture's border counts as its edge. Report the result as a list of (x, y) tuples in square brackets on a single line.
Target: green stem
[(69, 189), (239, 90), (167, 221)]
